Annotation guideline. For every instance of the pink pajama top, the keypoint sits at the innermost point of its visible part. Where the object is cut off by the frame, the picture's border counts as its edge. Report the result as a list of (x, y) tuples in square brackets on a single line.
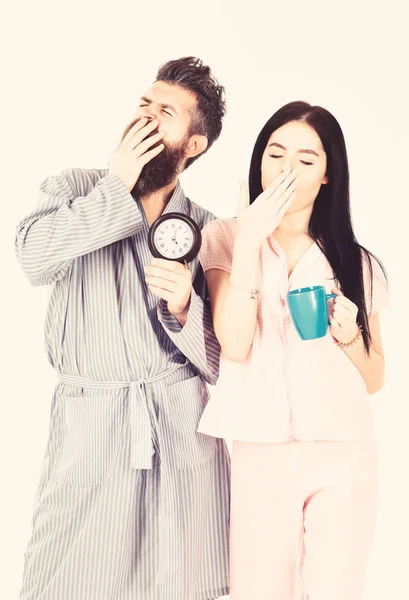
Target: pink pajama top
[(288, 388)]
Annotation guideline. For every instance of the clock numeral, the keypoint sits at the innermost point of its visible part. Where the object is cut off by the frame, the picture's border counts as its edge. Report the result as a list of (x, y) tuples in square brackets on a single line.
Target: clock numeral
[(173, 225), (162, 245), (180, 249)]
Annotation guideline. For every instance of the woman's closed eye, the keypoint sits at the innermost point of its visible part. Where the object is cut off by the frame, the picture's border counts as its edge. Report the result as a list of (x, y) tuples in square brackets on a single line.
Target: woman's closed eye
[(304, 162)]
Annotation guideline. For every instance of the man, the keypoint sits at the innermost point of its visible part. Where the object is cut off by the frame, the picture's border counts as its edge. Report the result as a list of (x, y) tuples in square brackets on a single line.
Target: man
[(133, 503)]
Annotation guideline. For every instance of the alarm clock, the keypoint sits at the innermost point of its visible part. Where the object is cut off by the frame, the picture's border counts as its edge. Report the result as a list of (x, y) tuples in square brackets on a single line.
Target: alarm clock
[(175, 236)]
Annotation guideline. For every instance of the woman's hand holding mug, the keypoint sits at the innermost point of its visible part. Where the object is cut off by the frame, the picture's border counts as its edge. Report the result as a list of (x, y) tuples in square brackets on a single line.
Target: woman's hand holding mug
[(343, 319)]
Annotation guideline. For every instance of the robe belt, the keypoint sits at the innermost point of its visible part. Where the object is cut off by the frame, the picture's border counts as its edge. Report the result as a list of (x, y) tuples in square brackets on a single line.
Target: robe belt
[(142, 448)]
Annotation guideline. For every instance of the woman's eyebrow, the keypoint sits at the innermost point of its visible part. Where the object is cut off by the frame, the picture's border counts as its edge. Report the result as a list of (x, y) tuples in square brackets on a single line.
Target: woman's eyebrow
[(278, 145), (306, 151), (302, 150)]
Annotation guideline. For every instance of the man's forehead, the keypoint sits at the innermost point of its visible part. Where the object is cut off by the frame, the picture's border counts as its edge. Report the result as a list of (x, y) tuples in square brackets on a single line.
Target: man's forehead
[(170, 94)]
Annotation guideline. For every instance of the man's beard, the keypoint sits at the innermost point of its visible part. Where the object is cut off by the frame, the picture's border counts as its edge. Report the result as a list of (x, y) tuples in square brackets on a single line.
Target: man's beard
[(161, 170)]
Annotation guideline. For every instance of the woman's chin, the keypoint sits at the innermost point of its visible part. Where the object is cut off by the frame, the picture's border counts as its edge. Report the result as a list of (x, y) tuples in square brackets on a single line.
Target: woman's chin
[(299, 208)]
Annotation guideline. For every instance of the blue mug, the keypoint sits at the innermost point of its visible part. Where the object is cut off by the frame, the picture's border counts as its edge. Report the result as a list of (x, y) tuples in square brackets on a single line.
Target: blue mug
[(309, 311)]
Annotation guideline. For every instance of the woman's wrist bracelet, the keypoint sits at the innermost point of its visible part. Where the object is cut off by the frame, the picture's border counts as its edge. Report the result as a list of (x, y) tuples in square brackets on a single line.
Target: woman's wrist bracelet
[(254, 293), (353, 341)]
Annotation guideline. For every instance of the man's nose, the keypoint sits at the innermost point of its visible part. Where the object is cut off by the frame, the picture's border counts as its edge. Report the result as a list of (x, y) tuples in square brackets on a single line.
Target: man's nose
[(150, 112)]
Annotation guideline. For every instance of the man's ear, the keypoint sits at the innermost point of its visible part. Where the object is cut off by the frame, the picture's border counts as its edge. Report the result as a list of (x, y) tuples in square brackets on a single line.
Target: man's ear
[(196, 145)]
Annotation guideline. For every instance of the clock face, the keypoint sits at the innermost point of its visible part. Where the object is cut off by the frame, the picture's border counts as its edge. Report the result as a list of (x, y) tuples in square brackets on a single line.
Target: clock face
[(174, 238)]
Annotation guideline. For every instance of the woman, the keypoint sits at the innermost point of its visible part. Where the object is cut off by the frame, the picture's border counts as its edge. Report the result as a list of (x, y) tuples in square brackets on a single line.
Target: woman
[(304, 461)]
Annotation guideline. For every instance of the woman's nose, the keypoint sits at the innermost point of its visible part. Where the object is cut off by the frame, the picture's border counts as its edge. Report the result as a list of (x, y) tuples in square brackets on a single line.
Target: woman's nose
[(289, 163)]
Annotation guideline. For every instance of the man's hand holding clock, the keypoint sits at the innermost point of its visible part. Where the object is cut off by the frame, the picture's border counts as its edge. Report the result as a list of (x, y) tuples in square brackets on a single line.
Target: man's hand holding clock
[(170, 281), (174, 240)]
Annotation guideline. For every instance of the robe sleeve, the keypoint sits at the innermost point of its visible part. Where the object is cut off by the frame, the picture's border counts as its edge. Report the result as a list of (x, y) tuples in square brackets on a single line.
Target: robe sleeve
[(78, 212), (196, 339)]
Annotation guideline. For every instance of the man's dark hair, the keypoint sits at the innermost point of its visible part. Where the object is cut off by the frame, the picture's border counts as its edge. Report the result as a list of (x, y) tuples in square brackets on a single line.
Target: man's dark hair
[(190, 73)]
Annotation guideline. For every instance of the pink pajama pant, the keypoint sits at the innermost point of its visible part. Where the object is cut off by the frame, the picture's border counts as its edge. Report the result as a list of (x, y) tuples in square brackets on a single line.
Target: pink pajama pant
[(302, 520)]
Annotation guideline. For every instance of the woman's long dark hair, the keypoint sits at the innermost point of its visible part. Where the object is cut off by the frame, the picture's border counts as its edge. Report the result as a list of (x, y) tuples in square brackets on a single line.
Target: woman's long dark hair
[(330, 224)]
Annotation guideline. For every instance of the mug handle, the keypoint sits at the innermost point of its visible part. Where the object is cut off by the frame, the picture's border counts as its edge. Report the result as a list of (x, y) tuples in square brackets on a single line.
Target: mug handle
[(329, 296)]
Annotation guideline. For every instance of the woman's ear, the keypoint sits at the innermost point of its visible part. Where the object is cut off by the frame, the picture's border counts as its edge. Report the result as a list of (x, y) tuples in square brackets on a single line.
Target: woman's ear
[(325, 180)]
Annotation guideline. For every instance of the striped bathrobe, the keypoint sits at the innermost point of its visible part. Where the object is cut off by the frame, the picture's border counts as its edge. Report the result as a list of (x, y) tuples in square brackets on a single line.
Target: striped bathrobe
[(133, 503)]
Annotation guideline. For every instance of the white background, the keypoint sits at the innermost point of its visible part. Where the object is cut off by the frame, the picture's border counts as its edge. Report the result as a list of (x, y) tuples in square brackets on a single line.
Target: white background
[(71, 78)]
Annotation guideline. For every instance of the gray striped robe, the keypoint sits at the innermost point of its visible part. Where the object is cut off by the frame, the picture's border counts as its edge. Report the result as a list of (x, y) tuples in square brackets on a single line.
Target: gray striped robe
[(132, 503)]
